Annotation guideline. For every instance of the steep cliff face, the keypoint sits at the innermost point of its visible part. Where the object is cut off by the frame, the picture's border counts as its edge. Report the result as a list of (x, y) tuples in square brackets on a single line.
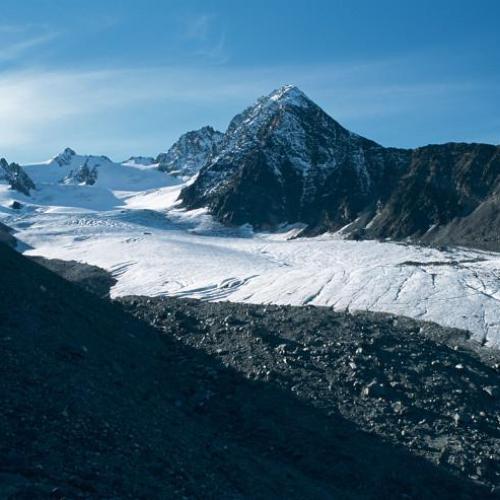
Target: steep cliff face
[(449, 194), (6, 236)]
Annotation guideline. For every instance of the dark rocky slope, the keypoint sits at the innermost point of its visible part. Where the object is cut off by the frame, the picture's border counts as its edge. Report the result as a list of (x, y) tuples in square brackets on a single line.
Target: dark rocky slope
[(6, 236), (16, 177), (450, 194), (91, 278), (413, 384), (284, 160), (99, 404)]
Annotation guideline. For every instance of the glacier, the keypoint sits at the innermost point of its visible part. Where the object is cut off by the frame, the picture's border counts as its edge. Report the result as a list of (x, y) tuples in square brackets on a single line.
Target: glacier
[(131, 224)]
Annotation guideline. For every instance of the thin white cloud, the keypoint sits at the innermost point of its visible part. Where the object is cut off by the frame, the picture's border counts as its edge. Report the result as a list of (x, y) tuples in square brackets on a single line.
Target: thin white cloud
[(208, 39), (19, 40), (215, 51), (198, 27), (32, 101), (12, 51), (44, 106)]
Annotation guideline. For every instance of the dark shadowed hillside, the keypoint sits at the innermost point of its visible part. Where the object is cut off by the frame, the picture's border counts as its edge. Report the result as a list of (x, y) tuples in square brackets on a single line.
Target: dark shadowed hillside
[(99, 404), (6, 236)]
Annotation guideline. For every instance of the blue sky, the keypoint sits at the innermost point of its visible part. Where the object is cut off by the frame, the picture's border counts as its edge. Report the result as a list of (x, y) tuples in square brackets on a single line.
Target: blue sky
[(128, 77)]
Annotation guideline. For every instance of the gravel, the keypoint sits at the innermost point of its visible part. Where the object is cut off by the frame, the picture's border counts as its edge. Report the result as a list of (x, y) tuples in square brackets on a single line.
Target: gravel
[(417, 385)]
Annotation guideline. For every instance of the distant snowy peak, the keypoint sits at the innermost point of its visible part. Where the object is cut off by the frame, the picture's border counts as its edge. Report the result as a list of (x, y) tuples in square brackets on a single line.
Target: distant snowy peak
[(72, 169), (65, 157), (145, 161), (78, 169), (290, 94), (191, 152), (16, 177), (69, 157)]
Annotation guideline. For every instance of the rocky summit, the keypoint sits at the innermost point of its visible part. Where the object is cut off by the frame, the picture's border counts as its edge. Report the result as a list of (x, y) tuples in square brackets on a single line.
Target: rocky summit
[(190, 152), (284, 160)]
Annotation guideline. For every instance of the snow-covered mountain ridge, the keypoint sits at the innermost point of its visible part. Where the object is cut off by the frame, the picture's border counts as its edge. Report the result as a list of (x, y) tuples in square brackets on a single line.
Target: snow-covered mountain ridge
[(69, 167), (145, 161)]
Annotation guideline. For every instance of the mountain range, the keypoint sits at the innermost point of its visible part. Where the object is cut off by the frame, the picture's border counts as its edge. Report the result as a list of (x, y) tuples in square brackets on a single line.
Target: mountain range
[(285, 161), (220, 218)]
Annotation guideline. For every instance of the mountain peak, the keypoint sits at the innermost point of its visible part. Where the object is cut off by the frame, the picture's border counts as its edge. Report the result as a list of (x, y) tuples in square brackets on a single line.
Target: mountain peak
[(139, 160), (283, 149), (68, 152), (190, 152), (64, 157), (288, 98), (289, 93), (206, 129)]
